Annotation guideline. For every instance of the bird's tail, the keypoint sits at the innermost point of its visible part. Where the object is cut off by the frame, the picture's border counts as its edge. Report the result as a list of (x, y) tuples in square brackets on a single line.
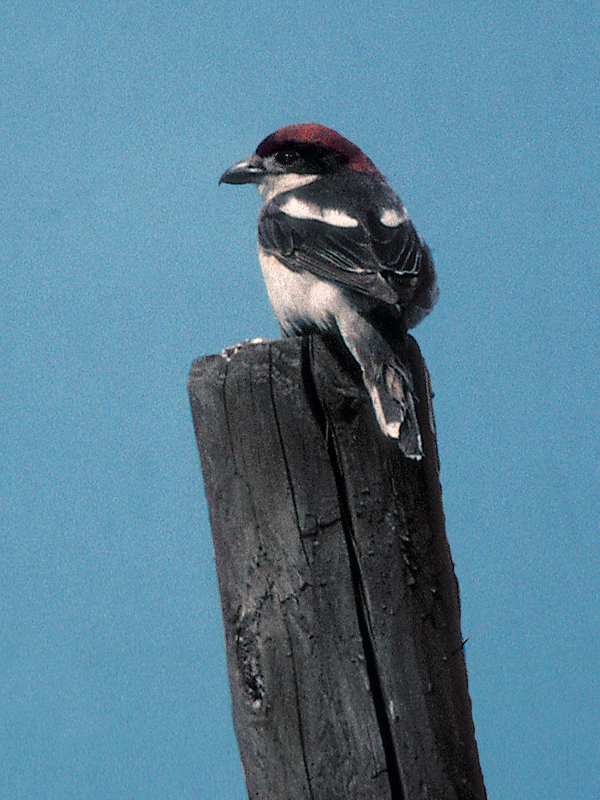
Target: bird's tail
[(393, 399), (389, 383)]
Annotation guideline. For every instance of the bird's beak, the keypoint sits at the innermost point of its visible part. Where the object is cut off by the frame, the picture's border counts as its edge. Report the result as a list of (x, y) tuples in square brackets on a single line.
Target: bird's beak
[(252, 170)]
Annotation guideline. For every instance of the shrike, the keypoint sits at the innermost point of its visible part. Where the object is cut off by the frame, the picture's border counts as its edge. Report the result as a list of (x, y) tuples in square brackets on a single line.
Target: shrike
[(339, 253)]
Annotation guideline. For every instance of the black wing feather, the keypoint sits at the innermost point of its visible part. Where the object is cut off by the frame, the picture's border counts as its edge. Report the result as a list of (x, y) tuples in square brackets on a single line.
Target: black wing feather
[(371, 258)]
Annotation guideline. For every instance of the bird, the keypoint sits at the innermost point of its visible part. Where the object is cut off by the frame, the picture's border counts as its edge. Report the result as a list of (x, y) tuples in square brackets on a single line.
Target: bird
[(339, 254)]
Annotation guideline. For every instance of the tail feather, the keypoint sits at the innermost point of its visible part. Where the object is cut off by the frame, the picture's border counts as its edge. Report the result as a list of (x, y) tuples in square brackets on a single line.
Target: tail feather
[(389, 383), (394, 404)]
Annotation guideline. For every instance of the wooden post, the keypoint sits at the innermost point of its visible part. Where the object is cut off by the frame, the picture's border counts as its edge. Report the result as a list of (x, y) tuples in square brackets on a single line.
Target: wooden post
[(339, 599)]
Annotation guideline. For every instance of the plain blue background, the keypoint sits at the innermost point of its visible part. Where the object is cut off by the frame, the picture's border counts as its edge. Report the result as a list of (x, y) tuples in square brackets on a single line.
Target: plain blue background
[(122, 261)]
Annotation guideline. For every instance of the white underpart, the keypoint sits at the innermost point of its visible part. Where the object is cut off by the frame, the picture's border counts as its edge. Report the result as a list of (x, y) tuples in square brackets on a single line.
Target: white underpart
[(301, 300), (390, 217), (301, 210), (273, 185), (300, 297)]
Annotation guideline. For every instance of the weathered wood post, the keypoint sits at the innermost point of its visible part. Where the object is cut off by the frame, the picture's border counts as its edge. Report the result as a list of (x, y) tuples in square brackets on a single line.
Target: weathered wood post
[(339, 599)]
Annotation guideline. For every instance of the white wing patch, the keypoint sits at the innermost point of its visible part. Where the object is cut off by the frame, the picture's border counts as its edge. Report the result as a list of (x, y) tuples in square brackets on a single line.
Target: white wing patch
[(301, 210), (390, 217)]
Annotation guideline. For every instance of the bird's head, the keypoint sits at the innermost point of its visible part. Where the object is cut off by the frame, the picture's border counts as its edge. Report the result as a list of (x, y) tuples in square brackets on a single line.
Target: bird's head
[(296, 155)]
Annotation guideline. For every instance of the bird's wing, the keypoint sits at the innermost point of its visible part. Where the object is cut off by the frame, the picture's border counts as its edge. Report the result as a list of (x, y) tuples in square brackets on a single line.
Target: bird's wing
[(383, 262)]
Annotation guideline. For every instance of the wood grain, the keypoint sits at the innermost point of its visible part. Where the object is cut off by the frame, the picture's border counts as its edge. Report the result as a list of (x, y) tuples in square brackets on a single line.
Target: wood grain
[(339, 600)]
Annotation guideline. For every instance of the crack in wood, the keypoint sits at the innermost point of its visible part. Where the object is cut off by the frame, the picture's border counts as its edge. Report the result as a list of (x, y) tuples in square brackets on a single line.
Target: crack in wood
[(284, 455), (299, 710), (362, 637), (328, 432)]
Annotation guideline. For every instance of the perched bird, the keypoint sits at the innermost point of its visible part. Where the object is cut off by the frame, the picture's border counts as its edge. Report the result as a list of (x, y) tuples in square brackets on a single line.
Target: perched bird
[(339, 253)]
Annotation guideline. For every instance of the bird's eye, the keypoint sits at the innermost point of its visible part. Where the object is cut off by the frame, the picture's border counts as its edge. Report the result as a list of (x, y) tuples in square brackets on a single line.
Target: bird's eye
[(286, 157)]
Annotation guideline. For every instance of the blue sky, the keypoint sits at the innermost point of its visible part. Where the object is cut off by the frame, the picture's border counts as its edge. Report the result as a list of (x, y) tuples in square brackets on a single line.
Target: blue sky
[(122, 261)]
